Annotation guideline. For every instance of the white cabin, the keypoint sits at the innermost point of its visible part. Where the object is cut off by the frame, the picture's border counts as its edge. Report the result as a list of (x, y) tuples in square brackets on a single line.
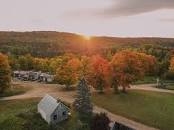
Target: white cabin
[(52, 111)]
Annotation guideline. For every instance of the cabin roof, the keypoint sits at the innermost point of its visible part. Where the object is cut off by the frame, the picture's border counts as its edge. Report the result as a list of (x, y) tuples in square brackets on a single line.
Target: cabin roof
[(48, 104)]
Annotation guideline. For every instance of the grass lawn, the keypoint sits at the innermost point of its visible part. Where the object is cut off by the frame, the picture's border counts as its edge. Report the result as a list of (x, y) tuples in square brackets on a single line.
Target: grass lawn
[(150, 80), (151, 108), (170, 87), (22, 115), (146, 80), (14, 90)]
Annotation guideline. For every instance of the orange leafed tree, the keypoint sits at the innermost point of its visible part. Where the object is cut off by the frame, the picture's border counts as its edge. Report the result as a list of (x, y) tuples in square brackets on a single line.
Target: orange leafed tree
[(149, 62), (172, 64), (85, 66), (68, 73), (5, 77), (99, 71), (128, 66)]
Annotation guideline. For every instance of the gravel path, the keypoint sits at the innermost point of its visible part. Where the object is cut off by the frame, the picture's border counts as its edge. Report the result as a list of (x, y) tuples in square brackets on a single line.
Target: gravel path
[(123, 120), (150, 87), (39, 90)]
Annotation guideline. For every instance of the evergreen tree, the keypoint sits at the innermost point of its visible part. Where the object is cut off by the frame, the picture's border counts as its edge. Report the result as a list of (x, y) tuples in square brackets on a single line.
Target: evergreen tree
[(82, 102), (4, 73), (100, 122)]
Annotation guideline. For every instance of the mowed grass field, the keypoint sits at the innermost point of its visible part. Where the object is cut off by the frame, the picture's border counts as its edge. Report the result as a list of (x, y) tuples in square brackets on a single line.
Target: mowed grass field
[(170, 86), (150, 108), (146, 80), (22, 115), (15, 89), (151, 80)]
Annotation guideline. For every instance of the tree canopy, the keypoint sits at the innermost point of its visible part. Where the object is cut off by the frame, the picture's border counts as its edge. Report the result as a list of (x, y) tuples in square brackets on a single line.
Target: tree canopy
[(5, 76), (128, 66), (172, 64)]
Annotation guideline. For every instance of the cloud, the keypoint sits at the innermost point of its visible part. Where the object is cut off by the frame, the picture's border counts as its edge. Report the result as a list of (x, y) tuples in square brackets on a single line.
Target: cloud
[(167, 20), (134, 7)]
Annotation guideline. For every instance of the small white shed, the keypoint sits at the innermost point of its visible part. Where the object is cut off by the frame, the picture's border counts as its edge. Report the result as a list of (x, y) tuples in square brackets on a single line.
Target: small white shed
[(52, 111)]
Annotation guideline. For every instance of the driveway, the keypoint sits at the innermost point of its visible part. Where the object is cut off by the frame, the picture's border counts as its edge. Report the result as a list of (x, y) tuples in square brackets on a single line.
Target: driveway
[(150, 87)]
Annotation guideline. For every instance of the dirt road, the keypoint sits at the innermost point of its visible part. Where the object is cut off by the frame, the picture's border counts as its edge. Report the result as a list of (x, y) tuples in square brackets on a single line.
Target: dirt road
[(150, 87), (39, 90)]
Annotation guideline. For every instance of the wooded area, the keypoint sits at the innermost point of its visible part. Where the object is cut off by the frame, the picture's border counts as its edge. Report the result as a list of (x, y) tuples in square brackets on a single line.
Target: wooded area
[(104, 61)]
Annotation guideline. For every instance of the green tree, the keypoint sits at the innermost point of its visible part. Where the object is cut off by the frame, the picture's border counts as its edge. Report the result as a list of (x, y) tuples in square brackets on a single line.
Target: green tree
[(13, 62), (26, 62), (82, 103), (4, 73)]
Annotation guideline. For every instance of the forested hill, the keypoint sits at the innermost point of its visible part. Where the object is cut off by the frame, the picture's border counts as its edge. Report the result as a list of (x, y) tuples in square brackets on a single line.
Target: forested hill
[(54, 43)]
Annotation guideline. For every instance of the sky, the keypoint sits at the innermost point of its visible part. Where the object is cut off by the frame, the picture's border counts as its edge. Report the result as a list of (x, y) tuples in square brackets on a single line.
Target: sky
[(121, 18)]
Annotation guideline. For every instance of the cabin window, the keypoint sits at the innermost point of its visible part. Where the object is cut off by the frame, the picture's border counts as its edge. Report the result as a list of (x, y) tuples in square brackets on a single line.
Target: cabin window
[(55, 117), (64, 113)]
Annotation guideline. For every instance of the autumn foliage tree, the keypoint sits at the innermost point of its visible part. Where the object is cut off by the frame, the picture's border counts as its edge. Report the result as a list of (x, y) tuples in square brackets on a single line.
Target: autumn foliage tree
[(41, 64), (98, 73), (172, 64), (54, 63), (128, 66), (84, 66), (4, 73), (68, 73)]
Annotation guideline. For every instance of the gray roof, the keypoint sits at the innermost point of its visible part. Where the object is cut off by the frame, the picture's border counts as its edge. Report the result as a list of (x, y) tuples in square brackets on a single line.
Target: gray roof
[(48, 104), (112, 124)]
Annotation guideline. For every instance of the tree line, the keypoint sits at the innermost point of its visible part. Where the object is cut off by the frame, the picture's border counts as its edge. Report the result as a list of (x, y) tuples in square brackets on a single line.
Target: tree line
[(51, 44), (102, 72)]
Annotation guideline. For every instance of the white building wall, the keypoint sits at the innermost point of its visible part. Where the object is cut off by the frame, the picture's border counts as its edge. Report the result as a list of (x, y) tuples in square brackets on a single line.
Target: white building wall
[(42, 114)]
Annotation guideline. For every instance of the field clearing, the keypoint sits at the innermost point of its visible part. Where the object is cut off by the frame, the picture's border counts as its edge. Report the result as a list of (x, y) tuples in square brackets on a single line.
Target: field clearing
[(16, 89), (145, 106), (151, 108), (22, 115)]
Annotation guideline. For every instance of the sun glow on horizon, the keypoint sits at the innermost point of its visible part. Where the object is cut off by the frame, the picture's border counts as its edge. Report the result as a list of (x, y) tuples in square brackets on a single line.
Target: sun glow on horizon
[(86, 37)]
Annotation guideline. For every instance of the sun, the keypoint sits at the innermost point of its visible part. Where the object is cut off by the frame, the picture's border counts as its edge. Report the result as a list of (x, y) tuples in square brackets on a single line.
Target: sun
[(87, 37)]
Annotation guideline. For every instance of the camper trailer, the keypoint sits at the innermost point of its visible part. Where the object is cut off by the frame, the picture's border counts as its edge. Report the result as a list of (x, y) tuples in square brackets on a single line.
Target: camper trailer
[(44, 77), (33, 76)]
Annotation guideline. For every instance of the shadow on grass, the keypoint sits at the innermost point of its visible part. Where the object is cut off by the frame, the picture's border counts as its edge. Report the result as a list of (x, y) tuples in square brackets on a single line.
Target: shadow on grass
[(33, 121)]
